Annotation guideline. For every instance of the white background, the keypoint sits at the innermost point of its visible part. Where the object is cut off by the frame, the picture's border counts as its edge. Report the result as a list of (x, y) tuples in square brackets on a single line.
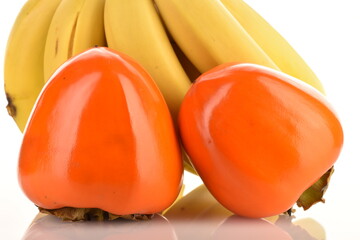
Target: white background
[(325, 32)]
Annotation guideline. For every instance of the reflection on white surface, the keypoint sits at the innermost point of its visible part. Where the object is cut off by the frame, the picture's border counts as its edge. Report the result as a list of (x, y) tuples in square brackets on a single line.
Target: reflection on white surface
[(52, 228), (215, 228), (236, 227), (197, 215)]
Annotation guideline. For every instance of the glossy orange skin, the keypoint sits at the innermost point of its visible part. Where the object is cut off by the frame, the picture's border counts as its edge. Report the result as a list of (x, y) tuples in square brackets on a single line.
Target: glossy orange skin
[(258, 138), (101, 136)]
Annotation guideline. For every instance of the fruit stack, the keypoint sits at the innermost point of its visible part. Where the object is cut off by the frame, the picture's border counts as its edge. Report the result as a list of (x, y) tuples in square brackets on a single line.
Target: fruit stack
[(117, 97)]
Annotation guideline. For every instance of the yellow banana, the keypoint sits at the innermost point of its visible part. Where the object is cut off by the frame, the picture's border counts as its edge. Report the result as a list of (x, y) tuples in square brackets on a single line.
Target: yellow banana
[(209, 35), (198, 208), (76, 26), (198, 204), (23, 70), (134, 28), (275, 46)]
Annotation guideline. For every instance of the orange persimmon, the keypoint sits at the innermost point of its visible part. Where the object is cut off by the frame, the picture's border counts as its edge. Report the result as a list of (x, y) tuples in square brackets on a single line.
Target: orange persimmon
[(101, 136), (258, 138)]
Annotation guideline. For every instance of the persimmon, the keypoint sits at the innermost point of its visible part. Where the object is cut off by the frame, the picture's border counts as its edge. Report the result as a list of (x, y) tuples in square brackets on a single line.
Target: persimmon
[(100, 137), (258, 138)]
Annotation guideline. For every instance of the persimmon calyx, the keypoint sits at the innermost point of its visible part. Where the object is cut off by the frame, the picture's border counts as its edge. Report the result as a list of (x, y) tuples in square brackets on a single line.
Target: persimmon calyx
[(315, 193), (71, 214)]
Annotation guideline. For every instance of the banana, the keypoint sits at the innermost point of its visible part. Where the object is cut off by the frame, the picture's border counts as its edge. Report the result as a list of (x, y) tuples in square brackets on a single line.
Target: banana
[(198, 208), (23, 67), (76, 26), (134, 28), (209, 35), (198, 204), (273, 44)]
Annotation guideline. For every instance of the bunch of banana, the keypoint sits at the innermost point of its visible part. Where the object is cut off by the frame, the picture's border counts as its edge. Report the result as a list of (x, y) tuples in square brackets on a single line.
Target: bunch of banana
[(174, 40)]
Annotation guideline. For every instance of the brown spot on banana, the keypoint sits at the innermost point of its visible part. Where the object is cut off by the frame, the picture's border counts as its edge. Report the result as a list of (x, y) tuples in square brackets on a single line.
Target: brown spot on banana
[(56, 46), (11, 108)]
